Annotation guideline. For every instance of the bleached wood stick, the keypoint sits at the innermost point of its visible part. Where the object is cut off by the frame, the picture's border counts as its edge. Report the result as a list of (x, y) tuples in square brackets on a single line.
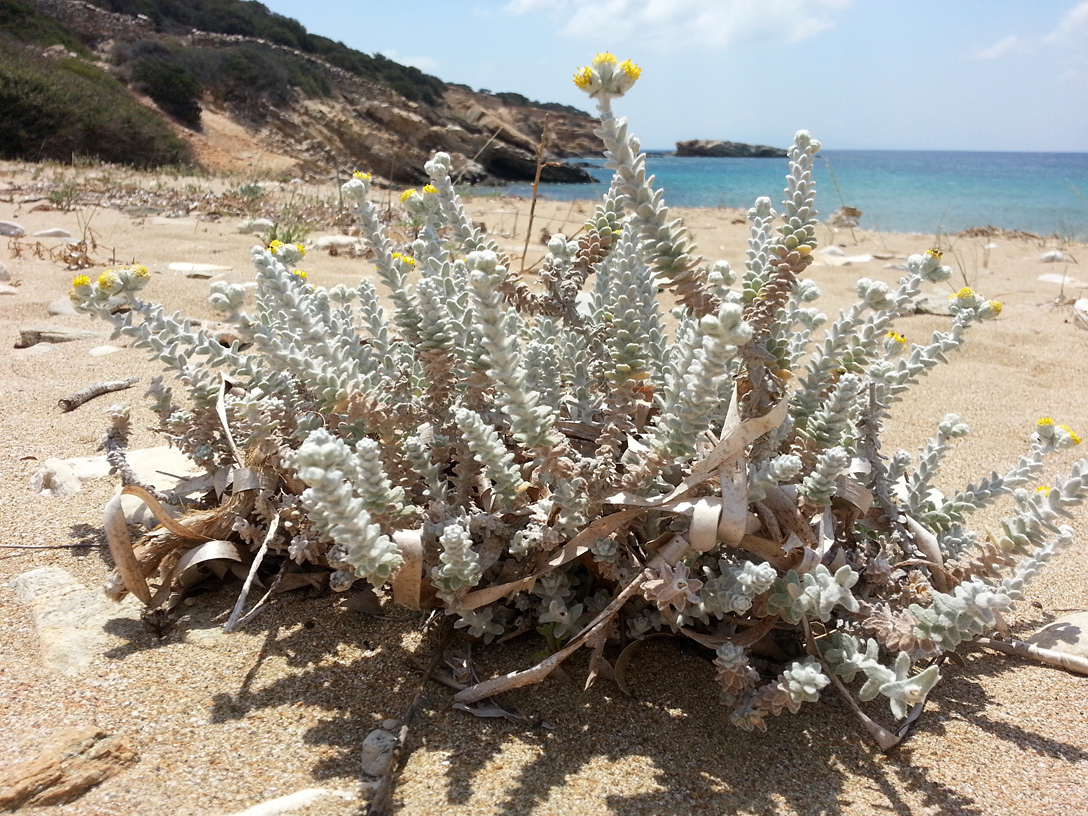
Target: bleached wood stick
[(1073, 663), (73, 401)]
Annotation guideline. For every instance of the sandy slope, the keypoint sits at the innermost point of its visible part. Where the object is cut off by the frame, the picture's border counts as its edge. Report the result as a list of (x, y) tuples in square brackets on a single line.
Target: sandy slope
[(223, 722)]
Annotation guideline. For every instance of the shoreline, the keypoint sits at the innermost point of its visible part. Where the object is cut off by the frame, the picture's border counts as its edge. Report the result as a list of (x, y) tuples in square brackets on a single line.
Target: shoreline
[(223, 722)]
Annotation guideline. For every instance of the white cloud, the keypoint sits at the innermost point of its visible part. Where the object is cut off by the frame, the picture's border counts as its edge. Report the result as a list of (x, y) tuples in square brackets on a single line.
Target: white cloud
[(1070, 31), (1002, 48), (427, 64), (679, 24)]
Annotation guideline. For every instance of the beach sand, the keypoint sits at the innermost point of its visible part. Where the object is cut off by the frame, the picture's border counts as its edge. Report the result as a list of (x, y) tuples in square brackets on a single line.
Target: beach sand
[(223, 722)]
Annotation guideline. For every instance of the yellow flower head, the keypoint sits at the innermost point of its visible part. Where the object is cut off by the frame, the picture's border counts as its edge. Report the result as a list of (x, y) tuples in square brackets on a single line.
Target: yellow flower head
[(1073, 435), (897, 337), (631, 69), (301, 249), (300, 273), (964, 293), (141, 271), (359, 174), (274, 245), (408, 259), (81, 280), (106, 280), (605, 58), (411, 191), (1044, 422), (996, 307), (935, 253), (430, 189), (583, 76), (1043, 489)]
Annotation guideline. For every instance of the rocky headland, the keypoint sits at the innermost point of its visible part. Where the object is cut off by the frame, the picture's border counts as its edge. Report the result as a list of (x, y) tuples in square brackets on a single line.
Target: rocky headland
[(707, 148)]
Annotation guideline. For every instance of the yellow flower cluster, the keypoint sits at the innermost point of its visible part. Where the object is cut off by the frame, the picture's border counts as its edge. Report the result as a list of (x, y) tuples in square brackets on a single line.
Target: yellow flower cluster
[(359, 174), (411, 191), (141, 271), (80, 280), (1044, 422), (274, 245), (996, 307), (935, 253), (631, 69), (583, 76), (897, 337), (963, 294), (408, 259), (1043, 489), (299, 272), (430, 189), (1072, 434), (301, 250), (106, 280)]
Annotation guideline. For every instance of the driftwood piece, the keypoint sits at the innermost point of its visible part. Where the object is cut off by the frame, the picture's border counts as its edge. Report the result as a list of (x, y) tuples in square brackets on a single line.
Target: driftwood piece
[(72, 762), (76, 399), (1051, 657)]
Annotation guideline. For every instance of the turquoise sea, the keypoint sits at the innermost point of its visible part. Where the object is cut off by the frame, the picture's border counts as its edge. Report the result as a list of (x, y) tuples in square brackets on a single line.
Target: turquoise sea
[(897, 191)]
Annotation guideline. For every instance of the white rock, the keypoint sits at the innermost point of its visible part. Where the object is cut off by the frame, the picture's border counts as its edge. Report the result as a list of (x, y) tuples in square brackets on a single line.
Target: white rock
[(150, 465), (54, 232), (5, 289), (292, 802), (198, 270), (256, 225), (830, 249), (1080, 313), (102, 351), (68, 617), (5, 276), (326, 241), (38, 350), (845, 260), (1054, 256), (11, 229), (61, 306), (33, 335), (55, 478), (377, 752), (1061, 280)]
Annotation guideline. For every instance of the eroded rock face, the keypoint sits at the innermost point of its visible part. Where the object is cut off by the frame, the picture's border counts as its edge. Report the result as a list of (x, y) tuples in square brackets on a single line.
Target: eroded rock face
[(728, 150)]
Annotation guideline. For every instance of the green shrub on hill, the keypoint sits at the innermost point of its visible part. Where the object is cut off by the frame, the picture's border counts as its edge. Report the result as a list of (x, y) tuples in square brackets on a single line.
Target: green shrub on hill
[(254, 20), (171, 87), (24, 23), (57, 109)]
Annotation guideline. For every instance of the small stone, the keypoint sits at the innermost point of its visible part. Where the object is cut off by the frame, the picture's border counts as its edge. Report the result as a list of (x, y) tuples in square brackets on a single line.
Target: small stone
[(933, 305), (32, 335), (54, 232), (61, 306), (5, 275), (1080, 313), (1068, 635), (69, 618), (377, 752), (254, 226), (102, 351), (38, 350), (830, 249), (338, 241), (71, 762), (1061, 280), (197, 270), (1054, 256), (55, 478), (12, 230), (5, 289)]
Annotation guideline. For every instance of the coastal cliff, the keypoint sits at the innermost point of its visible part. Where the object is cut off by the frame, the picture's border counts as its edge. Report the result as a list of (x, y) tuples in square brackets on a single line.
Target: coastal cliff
[(728, 150), (279, 98)]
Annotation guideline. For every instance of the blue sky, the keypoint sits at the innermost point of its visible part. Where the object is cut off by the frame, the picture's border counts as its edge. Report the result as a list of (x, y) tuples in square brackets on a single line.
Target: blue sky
[(880, 74)]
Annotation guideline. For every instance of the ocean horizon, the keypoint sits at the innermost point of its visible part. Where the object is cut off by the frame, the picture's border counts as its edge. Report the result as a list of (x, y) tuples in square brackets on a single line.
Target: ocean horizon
[(913, 191)]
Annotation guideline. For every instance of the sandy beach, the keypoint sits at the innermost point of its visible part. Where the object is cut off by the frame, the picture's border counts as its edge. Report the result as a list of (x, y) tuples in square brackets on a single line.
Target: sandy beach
[(223, 722)]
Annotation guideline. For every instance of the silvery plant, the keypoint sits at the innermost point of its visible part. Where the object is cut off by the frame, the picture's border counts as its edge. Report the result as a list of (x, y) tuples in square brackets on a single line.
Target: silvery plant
[(633, 441)]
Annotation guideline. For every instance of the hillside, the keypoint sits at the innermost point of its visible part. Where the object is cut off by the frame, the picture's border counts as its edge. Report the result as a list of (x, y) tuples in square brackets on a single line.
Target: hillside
[(249, 90)]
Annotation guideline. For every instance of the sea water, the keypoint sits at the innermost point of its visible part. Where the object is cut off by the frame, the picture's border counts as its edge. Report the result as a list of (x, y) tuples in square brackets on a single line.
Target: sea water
[(897, 191)]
